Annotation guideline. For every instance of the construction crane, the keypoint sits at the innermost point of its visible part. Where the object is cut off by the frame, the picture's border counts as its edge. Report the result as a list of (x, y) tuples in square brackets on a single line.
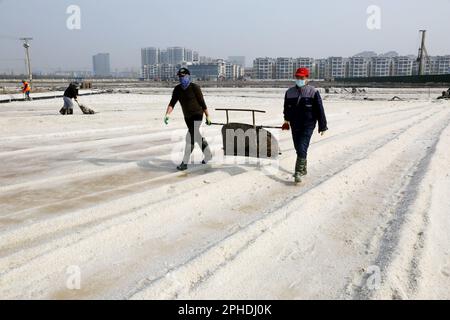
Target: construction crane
[(423, 54)]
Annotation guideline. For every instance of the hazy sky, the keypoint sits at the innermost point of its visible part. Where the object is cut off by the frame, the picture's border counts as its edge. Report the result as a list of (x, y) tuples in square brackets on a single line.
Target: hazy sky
[(252, 28)]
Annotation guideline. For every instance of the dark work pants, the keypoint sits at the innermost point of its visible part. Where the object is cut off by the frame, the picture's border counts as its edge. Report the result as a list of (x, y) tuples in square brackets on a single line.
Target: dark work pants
[(194, 136), (301, 134)]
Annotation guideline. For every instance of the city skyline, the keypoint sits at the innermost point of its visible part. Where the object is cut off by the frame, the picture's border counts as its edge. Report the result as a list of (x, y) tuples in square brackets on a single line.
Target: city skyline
[(138, 68), (122, 30), (281, 65)]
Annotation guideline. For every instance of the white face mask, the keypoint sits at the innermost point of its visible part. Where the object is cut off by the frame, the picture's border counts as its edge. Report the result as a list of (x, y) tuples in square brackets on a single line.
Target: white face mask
[(300, 83)]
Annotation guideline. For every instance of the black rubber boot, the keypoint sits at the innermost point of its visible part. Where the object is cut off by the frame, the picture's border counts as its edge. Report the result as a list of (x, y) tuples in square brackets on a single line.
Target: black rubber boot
[(182, 167), (303, 167), (298, 171)]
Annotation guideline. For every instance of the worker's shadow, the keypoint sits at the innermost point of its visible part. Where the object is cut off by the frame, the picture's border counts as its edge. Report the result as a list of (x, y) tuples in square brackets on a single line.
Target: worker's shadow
[(156, 165), (102, 162), (273, 176), (163, 165)]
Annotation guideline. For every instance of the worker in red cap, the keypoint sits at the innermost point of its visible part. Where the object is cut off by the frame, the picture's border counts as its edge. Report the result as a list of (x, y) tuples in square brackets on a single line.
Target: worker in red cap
[(303, 109)]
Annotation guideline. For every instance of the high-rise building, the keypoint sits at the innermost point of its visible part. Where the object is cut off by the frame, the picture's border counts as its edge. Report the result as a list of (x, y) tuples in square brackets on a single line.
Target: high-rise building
[(163, 57), (162, 64), (150, 56), (188, 56), (264, 68), (101, 65), (176, 55)]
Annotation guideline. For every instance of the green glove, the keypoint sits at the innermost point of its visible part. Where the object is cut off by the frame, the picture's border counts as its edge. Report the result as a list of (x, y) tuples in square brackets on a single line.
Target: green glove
[(166, 119), (208, 121)]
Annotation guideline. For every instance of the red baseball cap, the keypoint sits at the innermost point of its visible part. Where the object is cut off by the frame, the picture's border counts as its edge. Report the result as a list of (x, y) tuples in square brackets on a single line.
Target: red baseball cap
[(302, 72)]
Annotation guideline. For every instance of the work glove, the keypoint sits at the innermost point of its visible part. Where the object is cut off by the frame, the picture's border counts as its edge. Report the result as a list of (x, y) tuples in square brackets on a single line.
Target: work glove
[(208, 121), (286, 126), (322, 132), (166, 119)]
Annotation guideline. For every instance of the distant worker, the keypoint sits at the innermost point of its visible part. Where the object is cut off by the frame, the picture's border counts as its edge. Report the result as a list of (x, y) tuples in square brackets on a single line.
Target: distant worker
[(445, 94), (193, 105), (303, 108), (26, 89), (70, 93)]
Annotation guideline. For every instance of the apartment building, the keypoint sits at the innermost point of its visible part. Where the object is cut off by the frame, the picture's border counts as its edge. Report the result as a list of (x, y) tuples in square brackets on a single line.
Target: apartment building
[(264, 68), (336, 67), (358, 67), (381, 67), (233, 71), (320, 69), (440, 65), (284, 68), (403, 66)]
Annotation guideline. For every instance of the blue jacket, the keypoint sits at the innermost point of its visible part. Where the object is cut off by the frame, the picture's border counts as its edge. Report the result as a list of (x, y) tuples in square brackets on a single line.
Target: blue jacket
[(303, 107)]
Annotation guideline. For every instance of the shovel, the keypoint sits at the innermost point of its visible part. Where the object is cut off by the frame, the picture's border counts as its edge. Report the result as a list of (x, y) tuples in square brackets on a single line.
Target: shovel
[(85, 109)]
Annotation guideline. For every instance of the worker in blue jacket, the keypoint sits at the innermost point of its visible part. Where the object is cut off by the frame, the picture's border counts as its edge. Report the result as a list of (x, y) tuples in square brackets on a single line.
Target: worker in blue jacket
[(303, 109)]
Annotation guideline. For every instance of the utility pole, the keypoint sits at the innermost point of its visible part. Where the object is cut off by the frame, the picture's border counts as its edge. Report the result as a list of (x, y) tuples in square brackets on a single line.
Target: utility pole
[(422, 54), (26, 45)]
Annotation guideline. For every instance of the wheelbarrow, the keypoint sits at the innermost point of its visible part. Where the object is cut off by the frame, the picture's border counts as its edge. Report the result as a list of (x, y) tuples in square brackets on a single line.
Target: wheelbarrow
[(248, 140)]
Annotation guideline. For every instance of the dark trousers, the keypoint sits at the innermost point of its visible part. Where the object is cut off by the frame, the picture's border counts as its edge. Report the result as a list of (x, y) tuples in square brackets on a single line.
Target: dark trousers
[(194, 136), (301, 134)]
